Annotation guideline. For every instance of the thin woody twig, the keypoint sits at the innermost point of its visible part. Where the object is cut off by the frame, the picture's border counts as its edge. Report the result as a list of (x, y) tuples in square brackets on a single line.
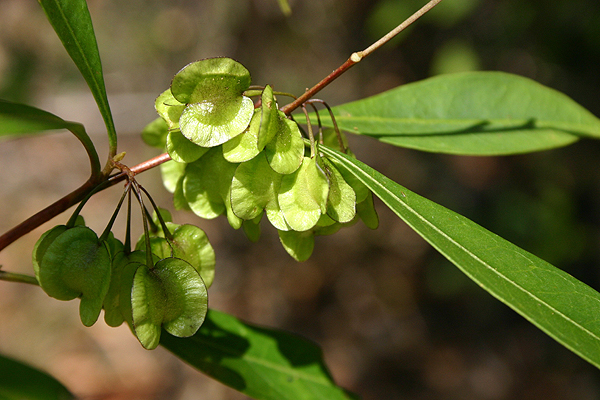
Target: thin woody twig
[(356, 57)]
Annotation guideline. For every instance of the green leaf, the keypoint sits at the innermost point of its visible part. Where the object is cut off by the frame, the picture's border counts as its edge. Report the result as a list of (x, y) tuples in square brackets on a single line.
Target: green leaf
[(72, 23), (20, 119), (19, 381), (265, 364), (562, 306), (181, 149), (299, 245), (155, 133), (474, 113)]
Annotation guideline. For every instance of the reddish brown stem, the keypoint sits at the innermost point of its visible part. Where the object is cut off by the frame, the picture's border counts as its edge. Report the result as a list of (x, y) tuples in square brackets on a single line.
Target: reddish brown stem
[(288, 108), (70, 200)]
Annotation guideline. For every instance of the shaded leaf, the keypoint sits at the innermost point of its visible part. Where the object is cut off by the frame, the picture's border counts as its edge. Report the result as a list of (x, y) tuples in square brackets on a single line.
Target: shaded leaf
[(19, 381), (265, 364), (562, 306)]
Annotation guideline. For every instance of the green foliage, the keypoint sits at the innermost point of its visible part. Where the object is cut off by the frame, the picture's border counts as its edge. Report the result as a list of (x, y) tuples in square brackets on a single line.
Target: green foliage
[(562, 306), (72, 23), (265, 364), (22, 382), (234, 157), (473, 113)]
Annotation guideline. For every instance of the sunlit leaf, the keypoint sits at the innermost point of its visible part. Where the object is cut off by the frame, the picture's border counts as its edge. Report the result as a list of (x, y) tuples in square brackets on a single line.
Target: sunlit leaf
[(562, 306), (476, 113)]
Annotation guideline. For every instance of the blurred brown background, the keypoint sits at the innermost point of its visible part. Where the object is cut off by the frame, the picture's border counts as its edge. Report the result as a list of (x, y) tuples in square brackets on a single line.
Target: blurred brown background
[(395, 319)]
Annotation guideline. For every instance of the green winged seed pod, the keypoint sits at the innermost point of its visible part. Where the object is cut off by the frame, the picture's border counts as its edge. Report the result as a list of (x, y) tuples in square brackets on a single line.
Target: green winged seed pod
[(171, 172), (169, 109), (77, 264), (42, 245), (270, 121), (207, 183), (254, 187), (286, 150), (367, 213), (130, 264), (341, 199), (189, 243), (181, 149), (303, 195), (299, 245), (155, 133), (243, 147), (252, 228), (170, 295), (216, 109)]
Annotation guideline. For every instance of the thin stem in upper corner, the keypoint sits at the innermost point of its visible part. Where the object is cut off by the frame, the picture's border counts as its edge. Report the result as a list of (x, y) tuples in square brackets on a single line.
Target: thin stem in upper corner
[(356, 57)]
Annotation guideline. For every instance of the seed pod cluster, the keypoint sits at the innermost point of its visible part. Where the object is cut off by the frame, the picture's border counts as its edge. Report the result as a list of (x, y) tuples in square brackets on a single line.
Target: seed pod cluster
[(165, 288), (229, 157)]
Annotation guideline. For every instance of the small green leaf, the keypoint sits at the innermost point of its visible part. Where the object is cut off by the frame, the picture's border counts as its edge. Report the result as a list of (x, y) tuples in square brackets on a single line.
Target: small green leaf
[(265, 364), (367, 213), (19, 381), (299, 245), (270, 123), (181, 149), (303, 195), (562, 306), (42, 244), (72, 23), (473, 113)]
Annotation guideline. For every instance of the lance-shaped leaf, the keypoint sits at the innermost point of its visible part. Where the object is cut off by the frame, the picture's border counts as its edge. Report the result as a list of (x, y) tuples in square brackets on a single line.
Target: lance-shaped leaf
[(216, 108), (474, 113), (303, 195), (72, 23), (562, 306), (265, 364)]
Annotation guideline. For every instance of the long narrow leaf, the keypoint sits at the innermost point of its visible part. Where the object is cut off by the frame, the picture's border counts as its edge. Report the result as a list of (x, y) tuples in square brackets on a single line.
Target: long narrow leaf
[(265, 364), (20, 119), (22, 382), (474, 113), (72, 22), (562, 306)]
